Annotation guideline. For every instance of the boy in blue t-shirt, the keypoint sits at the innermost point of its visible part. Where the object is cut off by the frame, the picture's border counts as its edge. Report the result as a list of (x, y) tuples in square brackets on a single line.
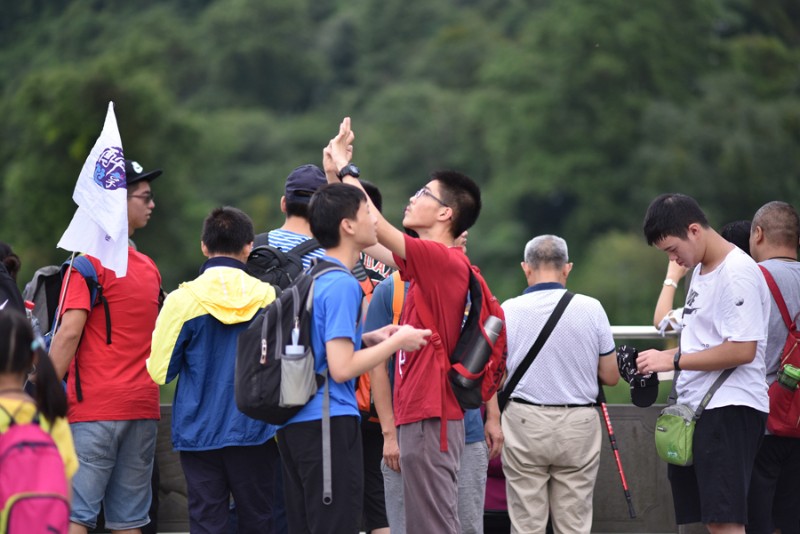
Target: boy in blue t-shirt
[(342, 223)]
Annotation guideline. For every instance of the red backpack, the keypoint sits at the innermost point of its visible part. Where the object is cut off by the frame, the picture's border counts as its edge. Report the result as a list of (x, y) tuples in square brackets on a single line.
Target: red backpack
[(33, 485), (784, 403)]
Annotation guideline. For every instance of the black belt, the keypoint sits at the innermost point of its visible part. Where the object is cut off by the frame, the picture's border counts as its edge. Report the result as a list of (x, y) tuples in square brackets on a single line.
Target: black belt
[(529, 403)]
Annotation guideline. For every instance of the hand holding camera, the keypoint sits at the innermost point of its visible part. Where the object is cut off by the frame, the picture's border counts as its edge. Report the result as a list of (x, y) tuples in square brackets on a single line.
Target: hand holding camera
[(644, 388)]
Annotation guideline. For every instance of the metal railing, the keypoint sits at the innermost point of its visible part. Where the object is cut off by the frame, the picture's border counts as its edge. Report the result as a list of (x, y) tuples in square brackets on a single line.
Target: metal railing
[(640, 332)]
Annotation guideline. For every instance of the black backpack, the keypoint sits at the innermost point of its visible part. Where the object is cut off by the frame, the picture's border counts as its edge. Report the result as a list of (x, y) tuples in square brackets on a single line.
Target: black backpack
[(44, 291), (262, 364), (275, 376), (272, 265)]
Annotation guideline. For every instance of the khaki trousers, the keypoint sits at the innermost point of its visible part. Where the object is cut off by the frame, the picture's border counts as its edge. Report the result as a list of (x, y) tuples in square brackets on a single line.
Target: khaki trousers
[(550, 460)]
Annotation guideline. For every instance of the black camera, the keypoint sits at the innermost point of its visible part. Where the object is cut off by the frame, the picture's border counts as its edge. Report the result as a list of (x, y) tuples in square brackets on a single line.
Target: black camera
[(644, 388)]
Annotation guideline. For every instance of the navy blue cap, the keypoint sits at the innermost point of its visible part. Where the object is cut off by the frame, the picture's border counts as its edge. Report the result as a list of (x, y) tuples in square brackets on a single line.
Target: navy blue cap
[(303, 182)]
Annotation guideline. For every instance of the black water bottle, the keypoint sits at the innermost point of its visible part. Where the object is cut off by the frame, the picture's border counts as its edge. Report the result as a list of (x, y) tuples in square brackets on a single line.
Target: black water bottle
[(477, 357)]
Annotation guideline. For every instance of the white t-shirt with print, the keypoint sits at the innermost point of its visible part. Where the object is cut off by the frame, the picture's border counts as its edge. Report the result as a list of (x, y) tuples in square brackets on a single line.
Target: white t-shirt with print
[(731, 303)]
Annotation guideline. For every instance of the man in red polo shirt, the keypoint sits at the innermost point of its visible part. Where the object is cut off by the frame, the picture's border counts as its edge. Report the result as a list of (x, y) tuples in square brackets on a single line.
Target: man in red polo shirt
[(113, 402)]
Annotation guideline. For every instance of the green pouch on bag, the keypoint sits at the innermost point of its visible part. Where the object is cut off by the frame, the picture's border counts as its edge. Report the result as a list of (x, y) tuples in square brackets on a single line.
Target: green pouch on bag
[(675, 425), (674, 434)]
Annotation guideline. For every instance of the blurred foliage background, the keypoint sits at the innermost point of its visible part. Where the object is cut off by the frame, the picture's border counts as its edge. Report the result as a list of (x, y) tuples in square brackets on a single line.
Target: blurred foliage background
[(572, 116)]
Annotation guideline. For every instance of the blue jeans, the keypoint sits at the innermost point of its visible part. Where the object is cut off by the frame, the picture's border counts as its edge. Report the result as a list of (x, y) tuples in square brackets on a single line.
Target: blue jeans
[(116, 465)]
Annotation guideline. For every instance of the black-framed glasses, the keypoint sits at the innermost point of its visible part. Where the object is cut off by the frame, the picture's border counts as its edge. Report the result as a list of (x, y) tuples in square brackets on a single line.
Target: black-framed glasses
[(427, 192), (147, 197)]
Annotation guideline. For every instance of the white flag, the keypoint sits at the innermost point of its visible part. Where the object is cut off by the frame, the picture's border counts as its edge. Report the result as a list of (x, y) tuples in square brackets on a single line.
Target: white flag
[(100, 224)]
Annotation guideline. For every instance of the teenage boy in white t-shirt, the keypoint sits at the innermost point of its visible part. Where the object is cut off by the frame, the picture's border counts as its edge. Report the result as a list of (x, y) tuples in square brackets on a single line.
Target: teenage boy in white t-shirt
[(725, 326)]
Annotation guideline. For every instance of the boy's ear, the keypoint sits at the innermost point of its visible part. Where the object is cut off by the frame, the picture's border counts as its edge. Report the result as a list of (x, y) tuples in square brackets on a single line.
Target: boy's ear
[(446, 214), (346, 227)]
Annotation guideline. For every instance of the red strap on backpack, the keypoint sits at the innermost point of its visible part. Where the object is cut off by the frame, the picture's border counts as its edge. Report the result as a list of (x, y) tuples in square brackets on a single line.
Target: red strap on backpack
[(776, 294), (426, 317), (784, 401)]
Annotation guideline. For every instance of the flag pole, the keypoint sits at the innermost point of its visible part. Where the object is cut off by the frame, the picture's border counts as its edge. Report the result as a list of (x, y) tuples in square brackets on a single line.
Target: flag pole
[(61, 298)]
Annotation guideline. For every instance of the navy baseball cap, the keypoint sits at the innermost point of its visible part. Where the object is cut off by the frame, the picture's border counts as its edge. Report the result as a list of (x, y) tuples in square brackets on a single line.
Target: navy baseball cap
[(303, 182)]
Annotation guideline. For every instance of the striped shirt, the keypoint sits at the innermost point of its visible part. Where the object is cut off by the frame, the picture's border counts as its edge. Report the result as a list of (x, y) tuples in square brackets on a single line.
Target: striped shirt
[(286, 241)]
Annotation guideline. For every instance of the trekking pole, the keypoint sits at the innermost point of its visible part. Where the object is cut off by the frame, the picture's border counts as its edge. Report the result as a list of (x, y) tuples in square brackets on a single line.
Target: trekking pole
[(601, 398)]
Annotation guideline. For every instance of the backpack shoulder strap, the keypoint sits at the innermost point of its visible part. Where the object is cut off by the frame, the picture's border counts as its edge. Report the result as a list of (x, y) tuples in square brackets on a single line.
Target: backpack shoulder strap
[(12, 417), (359, 271), (83, 265), (366, 283), (261, 239), (327, 478), (776, 294), (320, 267), (86, 268), (301, 249), (11, 420), (398, 296)]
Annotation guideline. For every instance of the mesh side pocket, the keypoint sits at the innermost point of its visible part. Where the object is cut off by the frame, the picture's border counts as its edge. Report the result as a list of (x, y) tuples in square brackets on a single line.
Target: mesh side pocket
[(298, 382), (784, 411)]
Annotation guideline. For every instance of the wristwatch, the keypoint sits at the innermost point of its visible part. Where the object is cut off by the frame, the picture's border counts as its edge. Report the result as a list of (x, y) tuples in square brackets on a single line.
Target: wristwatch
[(671, 282), (349, 170), (676, 361)]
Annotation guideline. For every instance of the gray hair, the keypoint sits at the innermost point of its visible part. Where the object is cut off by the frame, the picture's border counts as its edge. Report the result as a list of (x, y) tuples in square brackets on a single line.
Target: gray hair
[(546, 249)]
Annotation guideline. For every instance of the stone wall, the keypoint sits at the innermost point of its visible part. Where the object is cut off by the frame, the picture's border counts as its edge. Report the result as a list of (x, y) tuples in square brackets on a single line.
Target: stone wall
[(645, 474)]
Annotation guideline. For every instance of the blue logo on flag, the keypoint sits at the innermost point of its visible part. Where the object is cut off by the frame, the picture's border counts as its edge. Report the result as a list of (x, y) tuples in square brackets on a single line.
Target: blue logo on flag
[(109, 171)]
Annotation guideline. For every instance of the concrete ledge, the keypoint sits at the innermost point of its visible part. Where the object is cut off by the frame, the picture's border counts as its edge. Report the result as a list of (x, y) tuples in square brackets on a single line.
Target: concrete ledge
[(645, 473), (173, 511)]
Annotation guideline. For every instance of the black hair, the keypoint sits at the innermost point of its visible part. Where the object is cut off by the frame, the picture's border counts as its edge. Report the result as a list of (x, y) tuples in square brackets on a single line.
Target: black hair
[(329, 205), (18, 356), (461, 194), (780, 222), (297, 209), (227, 230), (373, 193), (10, 260), (671, 214), (738, 233)]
